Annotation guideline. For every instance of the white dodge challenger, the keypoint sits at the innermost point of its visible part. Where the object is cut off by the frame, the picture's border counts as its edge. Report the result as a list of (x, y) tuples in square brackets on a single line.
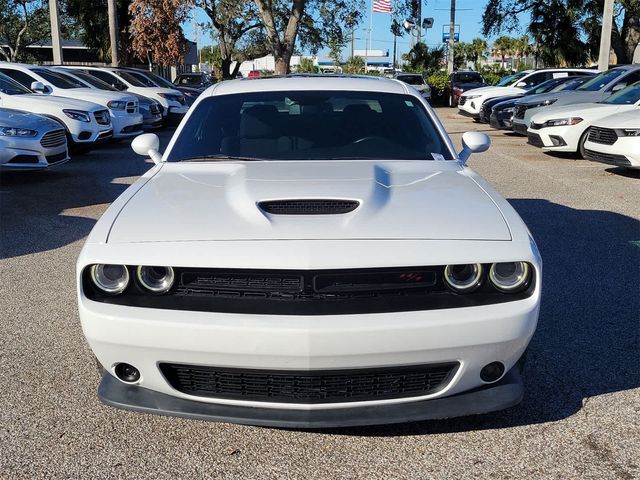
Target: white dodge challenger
[(310, 251)]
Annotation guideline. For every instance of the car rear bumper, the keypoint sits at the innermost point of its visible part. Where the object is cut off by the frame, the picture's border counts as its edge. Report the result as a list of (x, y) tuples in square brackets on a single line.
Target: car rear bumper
[(504, 394)]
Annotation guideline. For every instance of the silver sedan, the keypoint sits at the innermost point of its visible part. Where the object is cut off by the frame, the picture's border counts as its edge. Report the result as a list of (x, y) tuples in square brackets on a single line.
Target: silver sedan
[(29, 141)]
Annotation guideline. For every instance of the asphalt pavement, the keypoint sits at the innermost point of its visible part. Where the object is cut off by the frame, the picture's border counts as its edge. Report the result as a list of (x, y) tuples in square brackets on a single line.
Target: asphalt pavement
[(580, 417)]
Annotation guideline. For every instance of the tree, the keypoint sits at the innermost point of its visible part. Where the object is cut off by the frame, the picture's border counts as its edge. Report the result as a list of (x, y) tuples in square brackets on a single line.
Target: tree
[(91, 21), (460, 50), (313, 23), (476, 50), (521, 48), (306, 66), (238, 31), (422, 59), (559, 26), (22, 23), (354, 66), (156, 30), (503, 47)]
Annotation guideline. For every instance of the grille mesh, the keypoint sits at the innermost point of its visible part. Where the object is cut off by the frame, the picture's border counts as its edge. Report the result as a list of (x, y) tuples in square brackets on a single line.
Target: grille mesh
[(519, 111), (53, 139), (307, 387), (102, 117), (607, 158), (309, 206), (605, 136)]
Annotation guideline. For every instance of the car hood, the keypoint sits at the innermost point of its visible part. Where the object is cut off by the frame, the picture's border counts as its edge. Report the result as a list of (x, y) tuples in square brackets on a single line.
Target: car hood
[(146, 91), (469, 85), (16, 118), (94, 95), (587, 111), (494, 91), (37, 103), (564, 98), (629, 118), (203, 201)]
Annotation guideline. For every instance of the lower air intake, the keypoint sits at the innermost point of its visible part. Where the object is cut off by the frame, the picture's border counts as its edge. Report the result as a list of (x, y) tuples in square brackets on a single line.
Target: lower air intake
[(308, 206), (309, 386)]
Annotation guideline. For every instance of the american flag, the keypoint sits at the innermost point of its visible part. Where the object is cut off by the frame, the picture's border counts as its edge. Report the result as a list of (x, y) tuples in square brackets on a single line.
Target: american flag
[(382, 6)]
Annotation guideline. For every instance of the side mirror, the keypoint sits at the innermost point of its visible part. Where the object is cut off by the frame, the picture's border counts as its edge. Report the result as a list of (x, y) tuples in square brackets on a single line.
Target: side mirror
[(38, 87), (147, 144), (618, 87), (521, 84), (473, 142)]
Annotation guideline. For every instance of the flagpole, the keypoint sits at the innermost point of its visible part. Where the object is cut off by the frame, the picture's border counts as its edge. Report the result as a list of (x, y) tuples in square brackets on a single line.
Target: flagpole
[(393, 21), (367, 46)]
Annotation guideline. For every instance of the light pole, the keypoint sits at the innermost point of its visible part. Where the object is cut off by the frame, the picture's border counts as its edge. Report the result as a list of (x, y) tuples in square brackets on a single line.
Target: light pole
[(605, 36), (452, 33), (113, 32), (56, 42)]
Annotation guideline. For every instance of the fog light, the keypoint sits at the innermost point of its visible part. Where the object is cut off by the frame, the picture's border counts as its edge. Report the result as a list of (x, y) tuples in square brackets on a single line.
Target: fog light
[(127, 373), (492, 372)]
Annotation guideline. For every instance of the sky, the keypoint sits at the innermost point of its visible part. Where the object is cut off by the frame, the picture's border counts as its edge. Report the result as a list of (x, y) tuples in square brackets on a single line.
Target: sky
[(468, 16)]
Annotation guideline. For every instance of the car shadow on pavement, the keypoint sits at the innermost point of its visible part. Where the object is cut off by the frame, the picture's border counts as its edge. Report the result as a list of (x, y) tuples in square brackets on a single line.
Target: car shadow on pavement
[(624, 172), (44, 210), (587, 340)]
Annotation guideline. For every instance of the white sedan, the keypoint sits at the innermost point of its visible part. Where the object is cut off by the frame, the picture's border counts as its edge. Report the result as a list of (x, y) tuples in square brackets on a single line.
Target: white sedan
[(565, 128), (299, 258), (615, 140), (30, 142)]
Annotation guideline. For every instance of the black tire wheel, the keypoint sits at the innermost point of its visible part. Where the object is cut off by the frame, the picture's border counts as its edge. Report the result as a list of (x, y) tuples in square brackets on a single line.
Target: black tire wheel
[(581, 150)]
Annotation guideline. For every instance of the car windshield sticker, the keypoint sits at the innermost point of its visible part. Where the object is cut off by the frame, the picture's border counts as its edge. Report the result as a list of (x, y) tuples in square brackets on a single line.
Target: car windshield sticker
[(437, 156)]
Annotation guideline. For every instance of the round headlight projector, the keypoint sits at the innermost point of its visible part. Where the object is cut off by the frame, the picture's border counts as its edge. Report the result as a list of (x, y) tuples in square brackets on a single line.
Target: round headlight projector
[(156, 279), (111, 279), (509, 276), (463, 278)]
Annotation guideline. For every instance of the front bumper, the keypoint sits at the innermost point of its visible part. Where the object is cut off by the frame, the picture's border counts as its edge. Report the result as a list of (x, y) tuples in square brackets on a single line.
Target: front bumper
[(126, 125), (625, 152), (15, 158), (471, 107), (465, 113), (556, 139), (498, 396), (519, 127), (501, 121)]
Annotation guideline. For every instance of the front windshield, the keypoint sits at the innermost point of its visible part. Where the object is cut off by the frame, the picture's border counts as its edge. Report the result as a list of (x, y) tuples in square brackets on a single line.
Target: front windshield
[(127, 77), (91, 80), (411, 79), (58, 80), (510, 79), (310, 125), (159, 81), (572, 84), (142, 79), (468, 77), (626, 96), (11, 87), (545, 86), (600, 81)]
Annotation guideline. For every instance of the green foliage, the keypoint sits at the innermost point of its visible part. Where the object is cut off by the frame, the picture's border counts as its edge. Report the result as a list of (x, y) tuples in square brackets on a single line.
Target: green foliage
[(306, 66), (22, 23), (566, 32), (438, 81), (422, 59), (354, 65)]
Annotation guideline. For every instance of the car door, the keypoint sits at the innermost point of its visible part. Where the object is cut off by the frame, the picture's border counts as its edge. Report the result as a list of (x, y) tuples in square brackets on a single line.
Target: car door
[(534, 79), (19, 76)]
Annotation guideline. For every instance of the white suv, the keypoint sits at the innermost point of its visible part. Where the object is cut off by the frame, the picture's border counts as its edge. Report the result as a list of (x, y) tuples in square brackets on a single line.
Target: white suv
[(85, 122), (123, 108), (173, 103)]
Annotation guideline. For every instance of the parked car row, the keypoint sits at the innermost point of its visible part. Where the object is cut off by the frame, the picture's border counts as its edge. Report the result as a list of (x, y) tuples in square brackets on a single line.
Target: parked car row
[(46, 113), (595, 115)]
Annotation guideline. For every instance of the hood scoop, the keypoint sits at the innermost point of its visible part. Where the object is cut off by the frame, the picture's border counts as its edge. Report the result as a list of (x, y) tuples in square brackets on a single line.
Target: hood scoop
[(316, 206)]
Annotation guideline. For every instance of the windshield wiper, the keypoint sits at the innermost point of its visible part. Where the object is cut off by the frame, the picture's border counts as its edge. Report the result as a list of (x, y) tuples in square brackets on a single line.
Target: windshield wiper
[(208, 158)]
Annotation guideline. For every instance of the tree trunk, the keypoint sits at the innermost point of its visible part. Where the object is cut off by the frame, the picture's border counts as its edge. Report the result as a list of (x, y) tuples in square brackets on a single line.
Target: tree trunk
[(283, 66)]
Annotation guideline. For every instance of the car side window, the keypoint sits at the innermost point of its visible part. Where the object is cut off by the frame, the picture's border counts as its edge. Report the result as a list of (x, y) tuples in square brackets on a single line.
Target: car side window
[(109, 78), (536, 79), (22, 78), (625, 81)]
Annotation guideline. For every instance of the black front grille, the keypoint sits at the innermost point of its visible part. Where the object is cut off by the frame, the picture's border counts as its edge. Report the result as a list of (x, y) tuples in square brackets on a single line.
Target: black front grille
[(307, 292), (462, 100), (308, 386), (610, 158), (53, 159), (102, 117), (519, 111), (535, 140), (308, 206), (155, 109), (52, 139), (132, 107), (24, 159), (605, 136)]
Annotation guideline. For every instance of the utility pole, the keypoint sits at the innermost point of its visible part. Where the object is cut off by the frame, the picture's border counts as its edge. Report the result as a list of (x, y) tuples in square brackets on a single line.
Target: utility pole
[(452, 34), (419, 19), (113, 33), (605, 36), (56, 42)]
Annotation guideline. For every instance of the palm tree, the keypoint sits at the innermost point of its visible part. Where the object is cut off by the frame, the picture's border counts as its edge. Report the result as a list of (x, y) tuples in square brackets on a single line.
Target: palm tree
[(522, 48), (423, 59), (476, 50), (503, 47)]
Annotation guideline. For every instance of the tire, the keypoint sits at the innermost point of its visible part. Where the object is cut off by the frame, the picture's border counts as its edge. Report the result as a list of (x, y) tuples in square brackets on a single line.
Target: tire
[(583, 139), (451, 105)]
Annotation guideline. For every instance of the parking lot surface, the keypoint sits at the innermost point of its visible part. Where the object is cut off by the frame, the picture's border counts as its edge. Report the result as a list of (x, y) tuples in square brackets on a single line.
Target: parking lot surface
[(580, 417)]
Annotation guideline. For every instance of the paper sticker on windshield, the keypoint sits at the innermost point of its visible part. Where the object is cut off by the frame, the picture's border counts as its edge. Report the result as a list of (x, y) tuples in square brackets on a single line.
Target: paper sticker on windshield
[(437, 156)]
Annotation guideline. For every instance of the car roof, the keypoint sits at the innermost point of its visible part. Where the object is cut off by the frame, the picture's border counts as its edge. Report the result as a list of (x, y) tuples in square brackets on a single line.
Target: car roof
[(309, 82)]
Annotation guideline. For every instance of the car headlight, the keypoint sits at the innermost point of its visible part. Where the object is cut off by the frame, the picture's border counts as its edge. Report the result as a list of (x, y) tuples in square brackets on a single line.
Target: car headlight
[(117, 104), (172, 97), (628, 132), (155, 279), (545, 103), (471, 97), (559, 122), (508, 110), (78, 115), (509, 276), (17, 132), (463, 278), (111, 279)]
